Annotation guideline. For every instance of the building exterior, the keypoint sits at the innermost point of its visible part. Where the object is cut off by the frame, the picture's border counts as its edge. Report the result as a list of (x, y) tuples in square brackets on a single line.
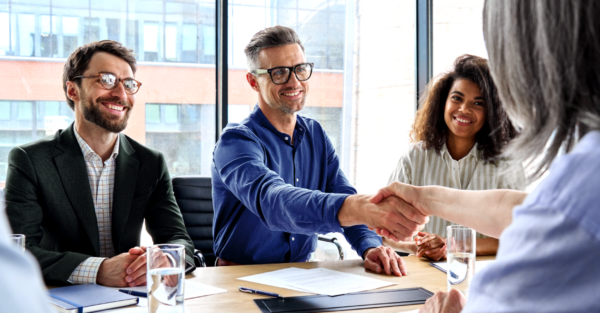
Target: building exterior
[(174, 42)]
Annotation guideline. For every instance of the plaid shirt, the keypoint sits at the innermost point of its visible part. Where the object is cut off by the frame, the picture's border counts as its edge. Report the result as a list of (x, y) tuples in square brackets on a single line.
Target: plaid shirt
[(102, 177)]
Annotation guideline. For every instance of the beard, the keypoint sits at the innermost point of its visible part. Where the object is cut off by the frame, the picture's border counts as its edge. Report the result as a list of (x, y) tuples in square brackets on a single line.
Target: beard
[(92, 113), (288, 108)]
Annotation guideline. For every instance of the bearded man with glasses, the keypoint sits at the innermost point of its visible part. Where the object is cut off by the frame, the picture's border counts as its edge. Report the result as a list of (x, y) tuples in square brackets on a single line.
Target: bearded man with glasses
[(277, 181), (81, 195)]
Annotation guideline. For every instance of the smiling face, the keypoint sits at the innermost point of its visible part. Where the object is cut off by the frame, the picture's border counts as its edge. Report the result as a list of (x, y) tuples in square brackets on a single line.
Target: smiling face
[(464, 112), (287, 98), (108, 109)]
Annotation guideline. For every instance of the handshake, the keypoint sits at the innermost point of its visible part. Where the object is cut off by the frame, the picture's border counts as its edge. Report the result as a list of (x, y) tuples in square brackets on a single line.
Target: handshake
[(397, 211)]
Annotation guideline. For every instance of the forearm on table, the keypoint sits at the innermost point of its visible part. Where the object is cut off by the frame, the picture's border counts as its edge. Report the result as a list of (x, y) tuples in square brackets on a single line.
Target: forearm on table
[(402, 246), (487, 211), (487, 246)]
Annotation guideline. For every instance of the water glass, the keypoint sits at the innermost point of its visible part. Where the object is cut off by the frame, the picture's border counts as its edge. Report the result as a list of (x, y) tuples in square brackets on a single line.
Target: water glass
[(19, 240), (165, 278), (461, 257)]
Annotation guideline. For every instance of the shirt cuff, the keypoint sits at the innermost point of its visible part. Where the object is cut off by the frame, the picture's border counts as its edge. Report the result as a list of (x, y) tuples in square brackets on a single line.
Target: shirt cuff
[(366, 244), (86, 272), (337, 201)]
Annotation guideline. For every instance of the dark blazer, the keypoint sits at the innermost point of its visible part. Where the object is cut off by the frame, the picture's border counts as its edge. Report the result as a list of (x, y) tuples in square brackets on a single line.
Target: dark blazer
[(48, 198)]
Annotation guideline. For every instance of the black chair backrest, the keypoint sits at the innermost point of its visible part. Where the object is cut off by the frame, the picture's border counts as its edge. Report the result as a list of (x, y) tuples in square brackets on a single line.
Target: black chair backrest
[(194, 197)]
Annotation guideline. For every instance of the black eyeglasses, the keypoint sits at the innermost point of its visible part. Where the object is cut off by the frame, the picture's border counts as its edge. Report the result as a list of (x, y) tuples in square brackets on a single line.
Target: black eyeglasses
[(110, 82), (281, 75)]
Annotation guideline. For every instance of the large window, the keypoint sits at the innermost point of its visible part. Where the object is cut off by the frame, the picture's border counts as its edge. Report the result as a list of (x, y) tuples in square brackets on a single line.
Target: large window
[(457, 30), (174, 43), (24, 121), (362, 90)]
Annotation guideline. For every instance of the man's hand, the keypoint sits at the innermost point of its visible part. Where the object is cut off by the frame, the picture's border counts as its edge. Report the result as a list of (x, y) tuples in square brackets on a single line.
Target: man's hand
[(431, 246), (391, 213), (136, 271), (112, 272), (411, 198), (384, 259), (445, 302)]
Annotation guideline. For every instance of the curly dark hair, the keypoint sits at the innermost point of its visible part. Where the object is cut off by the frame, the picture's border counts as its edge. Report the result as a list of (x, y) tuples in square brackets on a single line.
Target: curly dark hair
[(430, 127)]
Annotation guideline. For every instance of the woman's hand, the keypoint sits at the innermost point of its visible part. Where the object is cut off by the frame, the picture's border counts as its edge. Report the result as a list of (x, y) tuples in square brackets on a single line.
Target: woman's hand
[(431, 246)]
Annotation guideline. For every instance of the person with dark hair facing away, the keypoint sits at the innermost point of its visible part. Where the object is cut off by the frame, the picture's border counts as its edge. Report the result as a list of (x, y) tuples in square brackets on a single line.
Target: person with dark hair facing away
[(82, 195), (459, 133), (277, 180)]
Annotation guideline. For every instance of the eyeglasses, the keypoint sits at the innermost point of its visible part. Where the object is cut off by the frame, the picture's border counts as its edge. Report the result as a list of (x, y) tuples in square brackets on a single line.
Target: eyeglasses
[(281, 75), (110, 82)]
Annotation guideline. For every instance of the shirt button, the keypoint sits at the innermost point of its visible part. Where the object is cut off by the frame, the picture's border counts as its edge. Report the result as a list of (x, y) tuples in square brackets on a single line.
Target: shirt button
[(297, 179), (286, 138), (293, 239)]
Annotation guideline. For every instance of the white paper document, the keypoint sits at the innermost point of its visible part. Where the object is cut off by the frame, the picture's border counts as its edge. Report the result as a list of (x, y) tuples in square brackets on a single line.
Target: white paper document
[(479, 265), (192, 289), (318, 280), (277, 278)]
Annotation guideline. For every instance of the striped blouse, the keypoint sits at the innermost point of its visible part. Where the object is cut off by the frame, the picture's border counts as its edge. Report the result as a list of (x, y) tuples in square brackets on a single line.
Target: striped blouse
[(422, 167)]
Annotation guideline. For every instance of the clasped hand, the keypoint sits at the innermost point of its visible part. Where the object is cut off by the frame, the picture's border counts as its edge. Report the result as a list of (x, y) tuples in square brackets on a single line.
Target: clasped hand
[(124, 270), (430, 246)]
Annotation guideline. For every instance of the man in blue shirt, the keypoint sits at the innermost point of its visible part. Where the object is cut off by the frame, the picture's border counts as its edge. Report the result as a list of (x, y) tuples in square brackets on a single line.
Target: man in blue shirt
[(276, 176)]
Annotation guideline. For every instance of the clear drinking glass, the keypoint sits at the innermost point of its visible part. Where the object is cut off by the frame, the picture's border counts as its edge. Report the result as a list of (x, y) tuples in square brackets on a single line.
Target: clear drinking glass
[(165, 278), (461, 257), (19, 240)]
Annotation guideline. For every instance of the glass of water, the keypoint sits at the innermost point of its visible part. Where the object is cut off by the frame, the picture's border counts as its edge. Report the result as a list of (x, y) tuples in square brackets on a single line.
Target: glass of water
[(461, 257), (165, 278), (19, 240)]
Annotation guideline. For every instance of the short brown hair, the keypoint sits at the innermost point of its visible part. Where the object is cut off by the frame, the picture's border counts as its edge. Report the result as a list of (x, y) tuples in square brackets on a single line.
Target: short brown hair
[(430, 126), (275, 36), (78, 61)]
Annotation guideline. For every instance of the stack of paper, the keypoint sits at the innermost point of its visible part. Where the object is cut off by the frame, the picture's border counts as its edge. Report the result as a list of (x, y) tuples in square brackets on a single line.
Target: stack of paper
[(317, 280)]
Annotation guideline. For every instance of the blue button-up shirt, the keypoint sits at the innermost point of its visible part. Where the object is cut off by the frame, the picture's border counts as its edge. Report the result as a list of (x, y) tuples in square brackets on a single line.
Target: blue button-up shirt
[(549, 257), (272, 197)]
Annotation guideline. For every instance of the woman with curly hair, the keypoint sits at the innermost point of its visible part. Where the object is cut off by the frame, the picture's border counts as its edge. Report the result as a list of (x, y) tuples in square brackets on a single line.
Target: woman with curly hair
[(458, 136)]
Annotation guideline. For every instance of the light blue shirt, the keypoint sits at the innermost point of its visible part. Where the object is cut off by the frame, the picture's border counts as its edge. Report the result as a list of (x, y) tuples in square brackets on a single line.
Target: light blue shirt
[(21, 286), (549, 257)]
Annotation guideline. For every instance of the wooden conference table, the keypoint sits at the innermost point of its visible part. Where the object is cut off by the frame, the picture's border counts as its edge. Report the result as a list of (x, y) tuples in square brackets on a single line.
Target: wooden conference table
[(420, 274)]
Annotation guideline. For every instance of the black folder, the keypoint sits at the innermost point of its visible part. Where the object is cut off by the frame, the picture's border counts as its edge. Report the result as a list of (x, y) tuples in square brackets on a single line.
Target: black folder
[(351, 301)]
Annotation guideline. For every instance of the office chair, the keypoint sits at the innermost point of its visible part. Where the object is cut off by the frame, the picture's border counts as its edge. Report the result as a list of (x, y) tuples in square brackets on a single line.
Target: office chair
[(194, 198), (328, 249)]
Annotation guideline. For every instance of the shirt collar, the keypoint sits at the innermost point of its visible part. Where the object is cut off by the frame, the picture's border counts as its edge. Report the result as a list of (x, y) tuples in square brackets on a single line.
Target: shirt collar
[(300, 127), (473, 153), (88, 152)]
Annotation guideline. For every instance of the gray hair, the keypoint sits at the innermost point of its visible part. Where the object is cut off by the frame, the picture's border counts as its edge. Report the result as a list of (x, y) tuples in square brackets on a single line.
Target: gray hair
[(275, 36), (544, 57)]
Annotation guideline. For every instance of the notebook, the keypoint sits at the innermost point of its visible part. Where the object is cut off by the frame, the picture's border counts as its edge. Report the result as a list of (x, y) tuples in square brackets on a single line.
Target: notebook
[(88, 298)]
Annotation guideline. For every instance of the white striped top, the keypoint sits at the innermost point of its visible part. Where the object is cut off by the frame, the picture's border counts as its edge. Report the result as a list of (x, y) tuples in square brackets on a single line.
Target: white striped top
[(422, 167)]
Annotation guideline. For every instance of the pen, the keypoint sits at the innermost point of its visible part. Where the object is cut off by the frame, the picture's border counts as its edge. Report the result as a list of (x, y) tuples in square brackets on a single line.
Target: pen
[(260, 292), (134, 293)]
